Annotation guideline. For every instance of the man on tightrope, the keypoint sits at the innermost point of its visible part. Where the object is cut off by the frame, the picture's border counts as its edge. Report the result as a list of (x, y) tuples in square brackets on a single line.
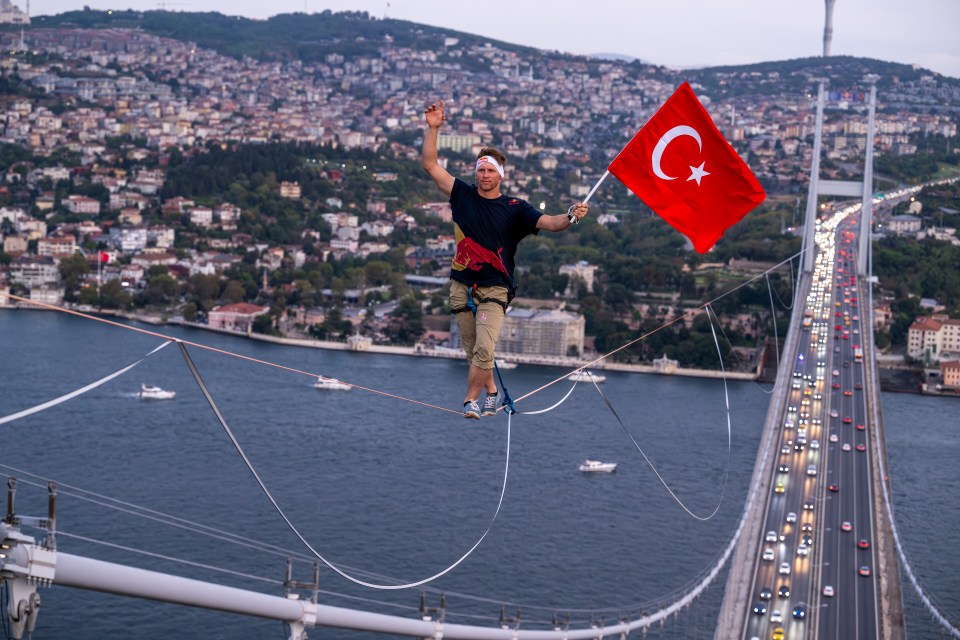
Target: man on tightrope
[(488, 226)]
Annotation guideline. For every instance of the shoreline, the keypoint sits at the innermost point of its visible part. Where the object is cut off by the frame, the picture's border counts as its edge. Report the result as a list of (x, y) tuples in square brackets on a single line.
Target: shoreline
[(571, 364)]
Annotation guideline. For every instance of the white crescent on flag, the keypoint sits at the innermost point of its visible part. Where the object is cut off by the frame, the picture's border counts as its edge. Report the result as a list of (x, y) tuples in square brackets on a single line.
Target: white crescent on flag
[(667, 138)]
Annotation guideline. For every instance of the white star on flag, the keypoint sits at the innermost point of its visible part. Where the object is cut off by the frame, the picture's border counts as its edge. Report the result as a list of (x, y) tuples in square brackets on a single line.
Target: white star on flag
[(697, 172)]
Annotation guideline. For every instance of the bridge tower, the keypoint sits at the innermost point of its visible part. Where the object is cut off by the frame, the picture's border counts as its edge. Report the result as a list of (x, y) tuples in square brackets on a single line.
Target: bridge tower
[(852, 189)]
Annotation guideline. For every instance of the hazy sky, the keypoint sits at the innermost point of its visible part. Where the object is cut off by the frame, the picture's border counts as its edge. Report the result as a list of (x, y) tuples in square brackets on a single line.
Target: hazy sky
[(670, 32)]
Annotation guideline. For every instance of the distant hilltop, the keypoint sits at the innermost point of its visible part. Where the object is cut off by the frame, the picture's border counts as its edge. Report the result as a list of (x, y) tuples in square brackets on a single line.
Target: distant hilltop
[(349, 35), (619, 57)]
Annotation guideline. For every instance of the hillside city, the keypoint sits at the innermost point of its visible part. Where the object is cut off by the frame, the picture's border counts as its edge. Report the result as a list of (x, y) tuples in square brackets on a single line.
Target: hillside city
[(105, 128)]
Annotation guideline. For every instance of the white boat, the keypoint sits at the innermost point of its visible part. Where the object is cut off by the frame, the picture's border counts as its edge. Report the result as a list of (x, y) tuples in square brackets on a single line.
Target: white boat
[(155, 393), (586, 376), (595, 466), (331, 384), (506, 364)]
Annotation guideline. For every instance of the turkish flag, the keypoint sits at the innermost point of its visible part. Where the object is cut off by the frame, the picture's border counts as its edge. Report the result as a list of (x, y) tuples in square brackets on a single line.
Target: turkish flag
[(104, 256), (680, 165)]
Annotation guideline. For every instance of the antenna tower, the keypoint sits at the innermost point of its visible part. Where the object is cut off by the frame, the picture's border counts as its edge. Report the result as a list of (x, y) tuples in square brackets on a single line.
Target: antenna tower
[(828, 28)]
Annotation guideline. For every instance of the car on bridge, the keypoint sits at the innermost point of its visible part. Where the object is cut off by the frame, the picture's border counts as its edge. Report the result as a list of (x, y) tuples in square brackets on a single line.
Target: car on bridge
[(863, 543), (846, 526), (800, 612), (834, 488), (760, 609), (784, 569), (768, 554), (864, 571), (861, 447), (827, 593), (778, 634), (784, 591), (766, 593)]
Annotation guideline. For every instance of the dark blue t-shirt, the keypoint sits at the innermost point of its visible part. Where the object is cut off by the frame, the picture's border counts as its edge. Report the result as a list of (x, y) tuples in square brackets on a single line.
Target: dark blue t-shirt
[(488, 232)]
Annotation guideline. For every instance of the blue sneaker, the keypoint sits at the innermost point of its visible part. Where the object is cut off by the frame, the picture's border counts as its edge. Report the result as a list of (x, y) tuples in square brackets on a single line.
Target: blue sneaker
[(489, 405), (471, 409)]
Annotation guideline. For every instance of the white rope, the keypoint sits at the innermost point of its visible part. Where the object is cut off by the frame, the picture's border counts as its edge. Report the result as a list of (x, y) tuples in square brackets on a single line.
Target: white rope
[(73, 394), (339, 571)]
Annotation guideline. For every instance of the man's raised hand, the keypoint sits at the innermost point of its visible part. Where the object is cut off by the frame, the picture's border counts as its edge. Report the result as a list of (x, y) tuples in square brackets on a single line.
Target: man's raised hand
[(435, 115)]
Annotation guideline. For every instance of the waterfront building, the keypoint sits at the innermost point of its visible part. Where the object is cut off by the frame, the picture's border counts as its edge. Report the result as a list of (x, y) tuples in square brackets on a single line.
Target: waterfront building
[(34, 271), (934, 337), (950, 373), (235, 317), (530, 332)]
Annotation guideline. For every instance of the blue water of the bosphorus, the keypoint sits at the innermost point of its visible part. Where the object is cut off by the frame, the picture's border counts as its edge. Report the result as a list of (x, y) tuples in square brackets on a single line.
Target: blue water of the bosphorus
[(394, 491)]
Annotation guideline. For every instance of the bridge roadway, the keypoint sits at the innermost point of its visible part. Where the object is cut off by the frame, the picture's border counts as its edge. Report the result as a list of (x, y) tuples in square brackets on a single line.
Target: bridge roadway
[(815, 559)]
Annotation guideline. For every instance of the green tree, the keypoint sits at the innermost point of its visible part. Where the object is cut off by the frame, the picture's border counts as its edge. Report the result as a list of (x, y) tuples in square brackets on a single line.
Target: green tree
[(406, 321), (73, 269)]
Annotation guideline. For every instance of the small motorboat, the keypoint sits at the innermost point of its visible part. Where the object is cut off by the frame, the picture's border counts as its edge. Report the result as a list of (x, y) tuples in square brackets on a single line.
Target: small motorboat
[(506, 364), (150, 392), (331, 384), (585, 375), (595, 466)]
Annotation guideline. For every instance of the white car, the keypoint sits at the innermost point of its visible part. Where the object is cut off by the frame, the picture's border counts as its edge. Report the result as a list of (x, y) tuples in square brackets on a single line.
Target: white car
[(776, 616), (768, 554), (814, 444), (828, 591), (784, 568), (791, 517), (771, 536)]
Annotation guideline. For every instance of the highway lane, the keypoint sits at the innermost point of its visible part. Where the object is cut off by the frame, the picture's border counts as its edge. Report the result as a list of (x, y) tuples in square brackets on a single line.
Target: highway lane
[(848, 515), (803, 546)]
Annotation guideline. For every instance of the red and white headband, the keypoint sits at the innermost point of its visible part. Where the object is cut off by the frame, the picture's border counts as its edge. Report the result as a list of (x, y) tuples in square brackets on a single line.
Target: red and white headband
[(490, 160)]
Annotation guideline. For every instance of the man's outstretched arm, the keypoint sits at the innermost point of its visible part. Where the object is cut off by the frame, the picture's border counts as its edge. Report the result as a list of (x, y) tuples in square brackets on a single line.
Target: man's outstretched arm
[(428, 156), (562, 221)]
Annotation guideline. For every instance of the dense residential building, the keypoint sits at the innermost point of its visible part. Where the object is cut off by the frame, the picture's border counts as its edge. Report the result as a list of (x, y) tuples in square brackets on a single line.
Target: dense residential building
[(65, 245), (932, 338)]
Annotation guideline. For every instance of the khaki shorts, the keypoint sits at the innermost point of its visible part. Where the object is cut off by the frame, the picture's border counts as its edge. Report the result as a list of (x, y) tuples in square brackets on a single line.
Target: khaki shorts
[(479, 334)]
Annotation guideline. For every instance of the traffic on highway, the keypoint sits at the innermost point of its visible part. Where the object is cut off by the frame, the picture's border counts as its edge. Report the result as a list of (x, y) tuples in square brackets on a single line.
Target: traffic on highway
[(814, 576)]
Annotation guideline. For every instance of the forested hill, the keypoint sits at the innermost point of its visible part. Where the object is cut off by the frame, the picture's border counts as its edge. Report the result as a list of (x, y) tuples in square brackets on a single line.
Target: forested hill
[(311, 37), (290, 36)]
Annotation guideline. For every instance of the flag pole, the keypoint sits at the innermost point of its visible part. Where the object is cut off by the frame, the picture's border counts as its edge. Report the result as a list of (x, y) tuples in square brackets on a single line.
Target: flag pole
[(574, 219), (592, 191)]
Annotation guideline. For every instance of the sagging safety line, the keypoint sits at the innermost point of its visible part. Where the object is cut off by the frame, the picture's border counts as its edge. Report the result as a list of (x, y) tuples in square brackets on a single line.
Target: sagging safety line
[(296, 532), (507, 402)]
